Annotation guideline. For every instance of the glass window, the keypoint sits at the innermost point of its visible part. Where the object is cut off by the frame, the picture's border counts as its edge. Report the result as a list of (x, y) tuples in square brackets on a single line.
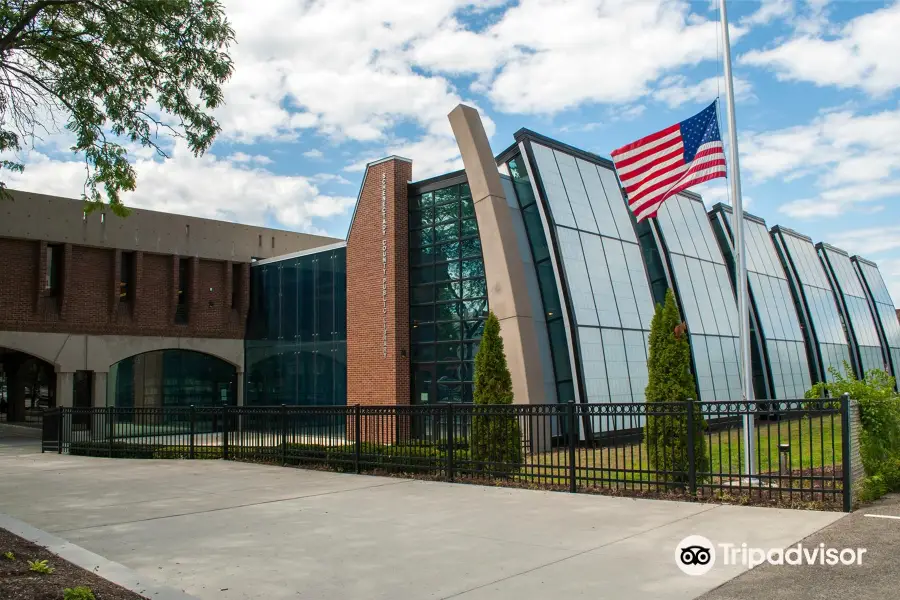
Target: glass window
[(449, 301)]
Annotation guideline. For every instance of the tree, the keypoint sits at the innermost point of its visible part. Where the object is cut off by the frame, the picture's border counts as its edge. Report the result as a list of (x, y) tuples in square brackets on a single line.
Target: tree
[(117, 71), (670, 380), (496, 438)]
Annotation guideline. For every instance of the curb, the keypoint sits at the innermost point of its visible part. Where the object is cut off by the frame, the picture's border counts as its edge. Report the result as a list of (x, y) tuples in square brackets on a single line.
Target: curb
[(87, 560)]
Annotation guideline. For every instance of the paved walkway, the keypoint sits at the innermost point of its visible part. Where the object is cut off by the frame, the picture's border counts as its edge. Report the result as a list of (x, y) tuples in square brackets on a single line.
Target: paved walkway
[(877, 576), (224, 530)]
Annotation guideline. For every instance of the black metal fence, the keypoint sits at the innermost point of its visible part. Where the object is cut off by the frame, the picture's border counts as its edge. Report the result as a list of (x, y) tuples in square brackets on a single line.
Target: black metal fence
[(682, 448)]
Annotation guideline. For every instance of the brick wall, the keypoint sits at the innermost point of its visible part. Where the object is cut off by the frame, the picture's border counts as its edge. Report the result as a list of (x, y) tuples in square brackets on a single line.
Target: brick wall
[(373, 376), (88, 297)]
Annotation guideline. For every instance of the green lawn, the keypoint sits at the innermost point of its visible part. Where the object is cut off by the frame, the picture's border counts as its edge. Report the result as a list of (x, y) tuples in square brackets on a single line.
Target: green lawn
[(815, 444)]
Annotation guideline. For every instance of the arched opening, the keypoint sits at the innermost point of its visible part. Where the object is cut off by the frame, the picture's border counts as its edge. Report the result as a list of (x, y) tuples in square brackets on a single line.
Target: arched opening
[(171, 378), (27, 387)]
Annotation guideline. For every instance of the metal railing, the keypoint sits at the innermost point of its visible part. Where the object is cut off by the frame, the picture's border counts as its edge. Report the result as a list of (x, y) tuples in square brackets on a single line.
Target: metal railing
[(687, 449)]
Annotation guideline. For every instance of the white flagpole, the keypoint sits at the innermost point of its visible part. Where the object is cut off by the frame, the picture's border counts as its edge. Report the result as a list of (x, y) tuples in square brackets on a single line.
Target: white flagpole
[(743, 303)]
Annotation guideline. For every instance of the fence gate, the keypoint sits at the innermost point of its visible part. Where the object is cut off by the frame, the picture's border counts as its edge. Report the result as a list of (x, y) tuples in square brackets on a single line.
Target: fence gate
[(50, 429)]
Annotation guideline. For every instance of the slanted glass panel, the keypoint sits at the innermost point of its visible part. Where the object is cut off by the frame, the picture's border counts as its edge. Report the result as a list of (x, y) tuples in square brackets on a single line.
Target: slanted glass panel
[(603, 215), (578, 198), (548, 304), (860, 323), (560, 209), (576, 273), (301, 357), (607, 281), (705, 296), (448, 299), (825, 327), (617, 204)]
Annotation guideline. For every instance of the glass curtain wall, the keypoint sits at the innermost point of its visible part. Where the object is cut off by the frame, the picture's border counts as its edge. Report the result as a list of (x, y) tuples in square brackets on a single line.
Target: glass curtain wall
[(550, 306), (296, 347), (785, 365), (171, 378), (852, 302), (448, 294), (815, 299), (883, 308), (705, 295), (605, 275)]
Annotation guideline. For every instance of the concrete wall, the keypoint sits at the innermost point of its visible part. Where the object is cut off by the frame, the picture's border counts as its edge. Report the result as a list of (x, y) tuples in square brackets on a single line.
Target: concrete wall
[(33, 216), (504, 270), (78, 352)]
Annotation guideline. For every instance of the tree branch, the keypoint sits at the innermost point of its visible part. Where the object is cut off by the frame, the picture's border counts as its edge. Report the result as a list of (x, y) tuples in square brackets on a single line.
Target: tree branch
[(7, 40)]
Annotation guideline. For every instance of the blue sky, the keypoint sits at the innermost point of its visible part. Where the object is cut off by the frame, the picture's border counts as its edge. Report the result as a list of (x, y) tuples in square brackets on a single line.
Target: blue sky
[(322, 87)]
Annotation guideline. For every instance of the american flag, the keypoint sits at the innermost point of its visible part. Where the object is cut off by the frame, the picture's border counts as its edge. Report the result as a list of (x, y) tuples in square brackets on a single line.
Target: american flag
[(660, 165)]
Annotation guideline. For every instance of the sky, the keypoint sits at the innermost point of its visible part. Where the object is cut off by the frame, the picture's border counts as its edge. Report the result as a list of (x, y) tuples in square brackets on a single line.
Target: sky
[(321, 87)]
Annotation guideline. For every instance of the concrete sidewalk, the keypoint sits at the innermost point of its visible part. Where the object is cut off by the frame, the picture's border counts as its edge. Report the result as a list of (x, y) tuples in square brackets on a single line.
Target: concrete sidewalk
[(227, 530)]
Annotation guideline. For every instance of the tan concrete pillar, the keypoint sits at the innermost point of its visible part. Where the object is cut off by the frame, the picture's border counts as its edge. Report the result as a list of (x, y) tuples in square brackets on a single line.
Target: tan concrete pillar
[(240, 388), (65, 389), (99, 391), (503, 266)]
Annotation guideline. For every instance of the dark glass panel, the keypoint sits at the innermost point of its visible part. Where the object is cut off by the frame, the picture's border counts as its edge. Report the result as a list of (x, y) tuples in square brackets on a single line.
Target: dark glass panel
[(421, 256), (449, 331), (448, 194), (472, 330), (422, 333), (423, 313), (421, 294), (446, 311), (420, 275), (470, 248), (474, 288), (446, 232), (446, 212), (449, 290), (472, 268), (448, 252), (423, 353)]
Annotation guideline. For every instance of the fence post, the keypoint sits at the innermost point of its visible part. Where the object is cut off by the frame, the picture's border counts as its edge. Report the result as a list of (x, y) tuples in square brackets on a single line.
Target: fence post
[(357, 434), (450, 434), (109, 428), (692, 460), (283, 435), (191, 451), (573, 429), (224, 432), (846, 439), (59, 427)]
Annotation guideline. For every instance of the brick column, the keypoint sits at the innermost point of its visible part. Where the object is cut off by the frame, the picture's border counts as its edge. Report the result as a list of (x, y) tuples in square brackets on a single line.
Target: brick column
[(378, 292)]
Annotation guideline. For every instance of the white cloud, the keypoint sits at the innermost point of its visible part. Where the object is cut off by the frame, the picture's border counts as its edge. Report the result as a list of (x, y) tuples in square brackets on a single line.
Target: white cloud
[(852, 159), (431, 156), (675, 90), (770, 10), (314, 153), (890, 270), (241, 157), (550, 56), (204, 187), (859, 56), (330, 178), (869, 240)]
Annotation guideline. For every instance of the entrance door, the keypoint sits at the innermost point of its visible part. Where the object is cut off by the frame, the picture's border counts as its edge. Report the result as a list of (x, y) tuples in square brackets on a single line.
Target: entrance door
[(83, 397), (424, 388)]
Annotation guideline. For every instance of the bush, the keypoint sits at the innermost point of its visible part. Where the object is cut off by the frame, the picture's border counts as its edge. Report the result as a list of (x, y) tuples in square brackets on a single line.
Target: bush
[(79, 593), (670, 380), (496, 438), (184, 452), (119, 449), (879, 414)]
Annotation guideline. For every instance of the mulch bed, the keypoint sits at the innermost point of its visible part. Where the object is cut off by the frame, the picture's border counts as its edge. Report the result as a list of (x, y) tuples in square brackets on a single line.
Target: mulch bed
[(18, 583)]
